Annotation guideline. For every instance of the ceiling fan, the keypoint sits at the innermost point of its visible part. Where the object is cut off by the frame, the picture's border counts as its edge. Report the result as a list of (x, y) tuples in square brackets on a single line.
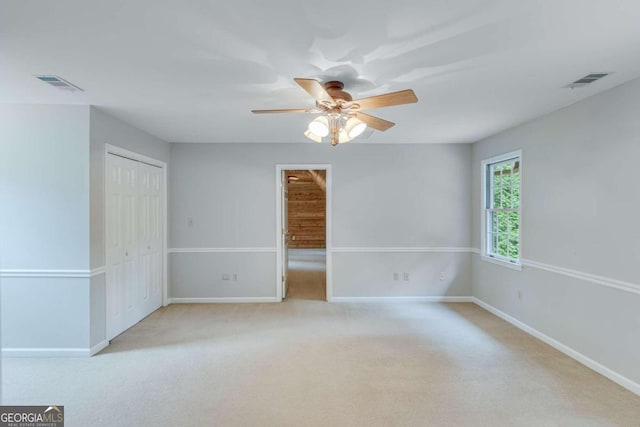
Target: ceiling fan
[(341, 117)]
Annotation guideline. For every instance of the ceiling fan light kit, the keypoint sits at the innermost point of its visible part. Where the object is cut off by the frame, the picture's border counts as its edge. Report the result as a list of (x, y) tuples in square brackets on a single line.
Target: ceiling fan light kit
[(312, 136), (319, 126), (341, 119), (341, 128), (354, 127)]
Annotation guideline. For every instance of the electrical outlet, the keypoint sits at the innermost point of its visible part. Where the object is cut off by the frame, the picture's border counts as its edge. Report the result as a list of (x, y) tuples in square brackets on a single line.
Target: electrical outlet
[(225, 276), (395, 276), (235, 277), (406, 277), (442, 276)]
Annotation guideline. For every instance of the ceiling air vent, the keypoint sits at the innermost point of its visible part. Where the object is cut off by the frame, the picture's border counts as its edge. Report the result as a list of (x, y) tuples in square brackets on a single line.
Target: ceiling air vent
[(588, 79), (60, 83)]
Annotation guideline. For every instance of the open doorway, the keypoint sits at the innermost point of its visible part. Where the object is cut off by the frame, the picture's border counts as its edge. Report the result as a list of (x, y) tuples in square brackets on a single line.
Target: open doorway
[(306, 225), (304, 200)]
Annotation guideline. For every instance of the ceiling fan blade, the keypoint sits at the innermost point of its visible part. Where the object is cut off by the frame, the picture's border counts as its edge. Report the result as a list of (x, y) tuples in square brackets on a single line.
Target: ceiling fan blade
[(315, 89), (387, 100), (289, 110), (375, 122)]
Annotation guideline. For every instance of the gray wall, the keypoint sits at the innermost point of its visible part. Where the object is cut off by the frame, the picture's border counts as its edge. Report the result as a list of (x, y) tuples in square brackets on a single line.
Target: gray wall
[(393, 195), (106, 129), (51, 222), (44, 225), (579, 212)]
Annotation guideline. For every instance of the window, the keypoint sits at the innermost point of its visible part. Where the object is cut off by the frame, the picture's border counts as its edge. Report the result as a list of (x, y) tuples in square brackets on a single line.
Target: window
[(501, 179)]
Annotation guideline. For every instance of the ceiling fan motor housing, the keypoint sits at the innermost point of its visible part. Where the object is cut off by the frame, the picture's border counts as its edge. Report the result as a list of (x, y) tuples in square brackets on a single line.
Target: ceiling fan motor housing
[(334, 88)]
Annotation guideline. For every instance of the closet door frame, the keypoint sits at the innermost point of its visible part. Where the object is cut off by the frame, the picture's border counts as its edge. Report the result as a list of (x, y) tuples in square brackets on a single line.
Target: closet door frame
[(123, 152)]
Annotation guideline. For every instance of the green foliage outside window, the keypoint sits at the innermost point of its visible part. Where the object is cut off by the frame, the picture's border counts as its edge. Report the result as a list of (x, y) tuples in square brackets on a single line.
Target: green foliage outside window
[(504, 209)]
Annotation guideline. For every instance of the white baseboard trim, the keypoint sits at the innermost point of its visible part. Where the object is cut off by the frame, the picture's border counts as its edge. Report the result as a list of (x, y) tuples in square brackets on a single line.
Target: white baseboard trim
[(407, 249), (402, 299), (589, 363), (46, 352), (221, 250), (219, 300), (98, 347)]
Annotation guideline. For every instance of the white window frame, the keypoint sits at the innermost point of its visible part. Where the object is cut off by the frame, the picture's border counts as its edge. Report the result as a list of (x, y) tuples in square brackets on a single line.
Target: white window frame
[(485, 256)]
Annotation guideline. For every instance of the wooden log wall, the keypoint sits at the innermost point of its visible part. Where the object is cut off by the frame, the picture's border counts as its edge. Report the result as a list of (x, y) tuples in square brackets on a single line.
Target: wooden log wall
[(306, 213)]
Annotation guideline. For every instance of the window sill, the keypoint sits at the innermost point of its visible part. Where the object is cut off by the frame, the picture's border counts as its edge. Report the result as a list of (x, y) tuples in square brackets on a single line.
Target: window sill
[(506, 264)]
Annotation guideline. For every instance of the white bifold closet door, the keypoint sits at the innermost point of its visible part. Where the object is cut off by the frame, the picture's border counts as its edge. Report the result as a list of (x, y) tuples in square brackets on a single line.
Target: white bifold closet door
[(134, 242)]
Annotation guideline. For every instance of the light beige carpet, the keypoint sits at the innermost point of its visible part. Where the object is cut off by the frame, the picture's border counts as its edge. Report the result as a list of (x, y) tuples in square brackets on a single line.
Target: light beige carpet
[(311, 363)]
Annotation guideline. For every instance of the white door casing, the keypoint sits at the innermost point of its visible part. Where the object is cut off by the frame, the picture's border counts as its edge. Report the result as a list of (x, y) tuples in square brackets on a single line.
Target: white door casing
[(285, 232)]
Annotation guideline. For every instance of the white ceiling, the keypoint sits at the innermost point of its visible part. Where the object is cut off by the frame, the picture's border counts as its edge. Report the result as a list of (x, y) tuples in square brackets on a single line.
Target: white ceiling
[(192, 71)]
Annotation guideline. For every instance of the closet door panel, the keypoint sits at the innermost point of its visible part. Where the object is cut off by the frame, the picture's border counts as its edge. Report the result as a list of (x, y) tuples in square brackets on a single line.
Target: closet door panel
[(143, 197), (131, 242), (150, 238), (115, 247), (156, 236), (134, 242)]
